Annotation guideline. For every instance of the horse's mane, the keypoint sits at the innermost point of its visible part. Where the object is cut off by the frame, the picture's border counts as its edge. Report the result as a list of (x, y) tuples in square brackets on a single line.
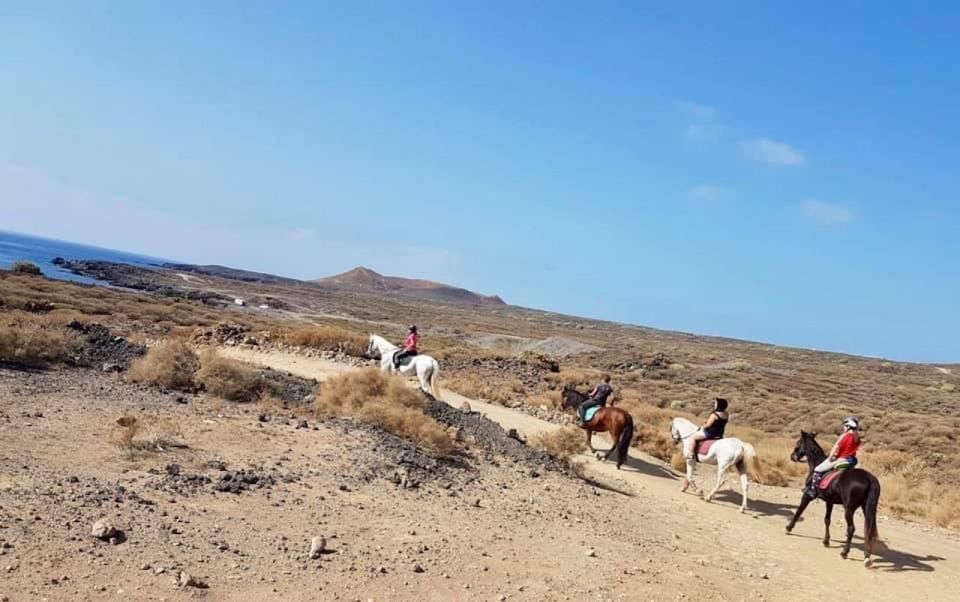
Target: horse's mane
[(379, 339), (681, 421), (813, 447)]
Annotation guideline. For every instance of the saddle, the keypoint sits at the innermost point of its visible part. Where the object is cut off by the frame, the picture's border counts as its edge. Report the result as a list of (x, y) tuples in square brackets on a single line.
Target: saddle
[(590, 413), (835, 472)]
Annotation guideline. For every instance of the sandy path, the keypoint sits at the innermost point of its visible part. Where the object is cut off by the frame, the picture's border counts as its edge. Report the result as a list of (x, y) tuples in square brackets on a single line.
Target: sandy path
[(920, 564)]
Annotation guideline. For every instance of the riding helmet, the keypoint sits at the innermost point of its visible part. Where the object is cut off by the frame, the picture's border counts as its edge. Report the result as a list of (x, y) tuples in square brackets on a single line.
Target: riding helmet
[(413, 328), (720, 404), (851, 422)]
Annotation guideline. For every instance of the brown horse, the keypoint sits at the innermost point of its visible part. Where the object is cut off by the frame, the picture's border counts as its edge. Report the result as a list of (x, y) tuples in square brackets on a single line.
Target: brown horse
[(853, 488), (608, 419)]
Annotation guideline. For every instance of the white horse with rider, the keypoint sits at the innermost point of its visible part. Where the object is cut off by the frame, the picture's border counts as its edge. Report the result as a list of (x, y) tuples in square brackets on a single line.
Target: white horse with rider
[(424, 367), (724, 452)]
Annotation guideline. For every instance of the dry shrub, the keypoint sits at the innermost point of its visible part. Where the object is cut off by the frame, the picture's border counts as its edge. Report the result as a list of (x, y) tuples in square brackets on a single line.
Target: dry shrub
[(34, 341), (550, 400), (575, 377), (25, 267), (227, 378), (475, 387), (739, 366), (170, 364), (147, 434), (563, 444), (385, 401), (328, 338)]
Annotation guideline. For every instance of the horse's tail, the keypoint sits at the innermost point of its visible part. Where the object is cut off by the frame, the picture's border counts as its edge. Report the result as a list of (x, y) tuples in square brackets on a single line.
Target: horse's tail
[(626, 437), (751, 463), (871, 535), (435, 380)]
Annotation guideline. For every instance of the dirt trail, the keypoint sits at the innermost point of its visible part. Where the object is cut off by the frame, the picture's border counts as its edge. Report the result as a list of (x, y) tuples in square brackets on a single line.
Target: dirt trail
[(921, 563)]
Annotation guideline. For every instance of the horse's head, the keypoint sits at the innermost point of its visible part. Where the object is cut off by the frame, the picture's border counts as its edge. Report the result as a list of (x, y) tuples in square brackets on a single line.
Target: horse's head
[(805, 447), (570, 397)]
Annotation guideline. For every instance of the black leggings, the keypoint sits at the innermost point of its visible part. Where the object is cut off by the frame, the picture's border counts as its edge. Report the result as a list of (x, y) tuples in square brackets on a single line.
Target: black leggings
[(403, 353)]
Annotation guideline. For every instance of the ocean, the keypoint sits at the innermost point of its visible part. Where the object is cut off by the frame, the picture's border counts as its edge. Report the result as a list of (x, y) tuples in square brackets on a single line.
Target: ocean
[(42, 251)]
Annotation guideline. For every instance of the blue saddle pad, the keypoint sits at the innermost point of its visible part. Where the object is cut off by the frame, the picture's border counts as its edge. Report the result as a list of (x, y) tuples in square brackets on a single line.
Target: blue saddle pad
[(590, 413)]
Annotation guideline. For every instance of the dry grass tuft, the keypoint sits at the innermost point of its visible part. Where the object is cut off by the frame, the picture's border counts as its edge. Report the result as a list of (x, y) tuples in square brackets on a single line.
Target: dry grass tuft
[(563, 444), (475, 387), (170, 364), (25, 267), (384, 401), (229, 379), (141, 434), (34, 341), (328, 338)]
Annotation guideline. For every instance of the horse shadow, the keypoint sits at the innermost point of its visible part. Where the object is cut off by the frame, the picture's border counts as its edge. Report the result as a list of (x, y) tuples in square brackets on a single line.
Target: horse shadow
[(896, 561), (651, 469), (761, 508), (604, 486)]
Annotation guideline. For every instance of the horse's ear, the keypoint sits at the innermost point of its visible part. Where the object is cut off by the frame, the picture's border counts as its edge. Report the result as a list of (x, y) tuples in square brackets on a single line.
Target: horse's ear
[(813, 435)]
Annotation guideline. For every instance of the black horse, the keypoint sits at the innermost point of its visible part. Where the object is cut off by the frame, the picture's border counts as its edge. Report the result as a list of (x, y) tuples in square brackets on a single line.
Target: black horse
[(607, 419), (855, 488)]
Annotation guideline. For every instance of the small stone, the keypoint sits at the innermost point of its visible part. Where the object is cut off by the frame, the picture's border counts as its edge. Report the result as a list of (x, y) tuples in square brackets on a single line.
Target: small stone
[(418, 569), (187, 580), (145, 566), (72, 479), (465, 407), (104, 530), (591, 553), (317, 546)]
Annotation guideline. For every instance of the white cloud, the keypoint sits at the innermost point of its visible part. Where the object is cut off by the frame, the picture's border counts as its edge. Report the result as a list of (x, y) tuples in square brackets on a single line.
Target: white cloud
[(828, 214), (703, 124), (697, 110), (708, 192), (33, 202), (773, 152)]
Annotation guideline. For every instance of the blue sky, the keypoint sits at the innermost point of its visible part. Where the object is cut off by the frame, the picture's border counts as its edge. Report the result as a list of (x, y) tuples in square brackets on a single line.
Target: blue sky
[(775, 173)]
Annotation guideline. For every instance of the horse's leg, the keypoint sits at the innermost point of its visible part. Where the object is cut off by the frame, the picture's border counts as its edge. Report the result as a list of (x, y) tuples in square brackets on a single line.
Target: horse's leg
[(688, 481), (615, 435), (721, 477), (848, 514), (590, 439), (744, 484), (826, 525), (804, 502)]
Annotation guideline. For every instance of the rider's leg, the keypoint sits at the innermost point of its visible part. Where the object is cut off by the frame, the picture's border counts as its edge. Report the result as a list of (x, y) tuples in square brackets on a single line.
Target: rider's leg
[(818, 473), (399, 356), (582, 410), (690, 444)]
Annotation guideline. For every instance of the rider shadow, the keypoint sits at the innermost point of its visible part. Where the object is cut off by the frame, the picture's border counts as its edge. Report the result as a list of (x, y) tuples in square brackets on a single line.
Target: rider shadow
[(758, 507), (604, 486)]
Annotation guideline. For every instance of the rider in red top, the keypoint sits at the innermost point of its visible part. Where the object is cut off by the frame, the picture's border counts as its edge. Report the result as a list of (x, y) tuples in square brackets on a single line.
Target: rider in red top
[(844, 453), (409, 347)]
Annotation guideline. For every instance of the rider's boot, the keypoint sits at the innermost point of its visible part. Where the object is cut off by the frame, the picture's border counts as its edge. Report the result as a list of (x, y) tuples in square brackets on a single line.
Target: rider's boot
[(811, 489)]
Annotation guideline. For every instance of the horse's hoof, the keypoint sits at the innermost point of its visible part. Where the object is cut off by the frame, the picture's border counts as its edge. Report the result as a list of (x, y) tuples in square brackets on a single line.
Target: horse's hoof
[(599, 456), (867, 563), (844, 555), (826, 543), (743, 509)]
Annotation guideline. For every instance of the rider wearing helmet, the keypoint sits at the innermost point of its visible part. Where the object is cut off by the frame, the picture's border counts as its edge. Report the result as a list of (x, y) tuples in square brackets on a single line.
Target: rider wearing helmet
[(597, 397), (409, 347), (713, 428), (844, 452)]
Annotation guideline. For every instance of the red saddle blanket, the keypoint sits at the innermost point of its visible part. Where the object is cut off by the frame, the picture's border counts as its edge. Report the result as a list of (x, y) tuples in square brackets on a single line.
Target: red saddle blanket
[(703, 447), (829, 477)]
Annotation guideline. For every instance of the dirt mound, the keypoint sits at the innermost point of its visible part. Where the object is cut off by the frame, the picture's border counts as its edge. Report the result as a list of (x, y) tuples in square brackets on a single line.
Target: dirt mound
[(530, 369), (489, 435), (174, 480), (101, 348), (559, 347)]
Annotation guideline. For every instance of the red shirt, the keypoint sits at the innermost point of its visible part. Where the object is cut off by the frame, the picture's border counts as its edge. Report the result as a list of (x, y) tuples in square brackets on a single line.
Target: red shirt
[(847, 445), (411, 343)]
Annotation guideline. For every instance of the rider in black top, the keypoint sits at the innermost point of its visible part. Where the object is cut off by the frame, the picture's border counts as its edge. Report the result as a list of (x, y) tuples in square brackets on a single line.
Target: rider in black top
[(597, 397)]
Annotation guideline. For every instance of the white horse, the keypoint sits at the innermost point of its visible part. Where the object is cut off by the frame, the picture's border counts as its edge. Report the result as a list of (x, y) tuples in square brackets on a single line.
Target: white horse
[(725, 452), (426, 369)]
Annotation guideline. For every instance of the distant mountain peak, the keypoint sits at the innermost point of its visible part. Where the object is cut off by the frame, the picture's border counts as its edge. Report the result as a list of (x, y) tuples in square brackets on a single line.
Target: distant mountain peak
[(364, 279)]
